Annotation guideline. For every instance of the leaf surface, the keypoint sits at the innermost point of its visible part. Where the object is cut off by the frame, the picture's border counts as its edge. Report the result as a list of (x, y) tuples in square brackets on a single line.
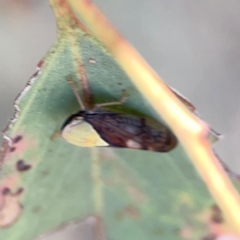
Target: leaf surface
[(131, 194)]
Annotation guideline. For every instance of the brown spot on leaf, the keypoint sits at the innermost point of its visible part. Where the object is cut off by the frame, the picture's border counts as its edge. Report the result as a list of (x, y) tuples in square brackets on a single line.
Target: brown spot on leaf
[(6, 191), (19, 191), (17, 139), (10, 209), (21, 166), (36, 209), (210, 237), (135, 194), (218, 227), (216, 215), (131, 211), (128, 212), (44, 173), (158, 232), (40, 63), (12, 149)]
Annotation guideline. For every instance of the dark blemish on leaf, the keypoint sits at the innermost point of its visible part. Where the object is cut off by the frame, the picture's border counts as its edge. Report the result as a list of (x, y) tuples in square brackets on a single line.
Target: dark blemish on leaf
[(22, 166), (6, 191), (19, 191), (158, 232), (17, 139), (216, 215), (131, 212), (44, 173), (35, 74), (128, 212), (12, 149), (40, 63), (210, 237), (217, 219), (119, 215), (36, 209), (119, 83)]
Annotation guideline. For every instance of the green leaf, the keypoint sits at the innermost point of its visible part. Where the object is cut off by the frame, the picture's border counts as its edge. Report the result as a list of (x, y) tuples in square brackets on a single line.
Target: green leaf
[(46, 183)]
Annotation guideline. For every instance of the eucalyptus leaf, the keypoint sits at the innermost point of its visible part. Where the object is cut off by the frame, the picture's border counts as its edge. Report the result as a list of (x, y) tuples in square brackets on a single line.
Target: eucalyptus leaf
[(47, 183)]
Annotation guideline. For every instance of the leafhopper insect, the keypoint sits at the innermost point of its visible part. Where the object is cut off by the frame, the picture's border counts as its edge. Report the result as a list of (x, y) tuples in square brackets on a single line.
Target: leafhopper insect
[(100, 128)]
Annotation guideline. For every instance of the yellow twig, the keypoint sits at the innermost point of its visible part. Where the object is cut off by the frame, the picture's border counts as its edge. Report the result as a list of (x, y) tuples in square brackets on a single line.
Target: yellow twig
[(189, 129)]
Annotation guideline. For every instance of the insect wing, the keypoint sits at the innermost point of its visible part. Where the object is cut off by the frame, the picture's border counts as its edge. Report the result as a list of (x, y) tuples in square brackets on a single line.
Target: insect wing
[(131, 132)]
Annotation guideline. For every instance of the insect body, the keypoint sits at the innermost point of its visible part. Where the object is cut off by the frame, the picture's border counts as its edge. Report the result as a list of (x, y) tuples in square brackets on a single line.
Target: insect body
[(102, 128), (98, 128)]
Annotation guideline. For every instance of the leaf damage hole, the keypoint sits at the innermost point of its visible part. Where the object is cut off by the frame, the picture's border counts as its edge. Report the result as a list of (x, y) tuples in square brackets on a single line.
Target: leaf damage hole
[(21, 166)]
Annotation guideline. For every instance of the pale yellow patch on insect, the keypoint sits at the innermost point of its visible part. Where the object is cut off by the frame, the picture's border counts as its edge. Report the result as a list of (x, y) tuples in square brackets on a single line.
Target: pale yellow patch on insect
[(82, 134)]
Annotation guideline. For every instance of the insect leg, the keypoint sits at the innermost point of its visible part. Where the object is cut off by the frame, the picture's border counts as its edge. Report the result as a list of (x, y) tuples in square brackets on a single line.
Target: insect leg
[(74, 87), (121, 101), (55, 135)]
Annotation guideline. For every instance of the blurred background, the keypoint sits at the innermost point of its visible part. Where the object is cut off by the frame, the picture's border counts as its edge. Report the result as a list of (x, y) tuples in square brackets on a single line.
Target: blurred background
[(193, 45)]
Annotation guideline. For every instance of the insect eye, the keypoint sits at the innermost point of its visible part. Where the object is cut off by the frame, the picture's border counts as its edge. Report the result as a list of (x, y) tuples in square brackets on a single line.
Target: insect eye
[(76, 120), (72, 121)]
